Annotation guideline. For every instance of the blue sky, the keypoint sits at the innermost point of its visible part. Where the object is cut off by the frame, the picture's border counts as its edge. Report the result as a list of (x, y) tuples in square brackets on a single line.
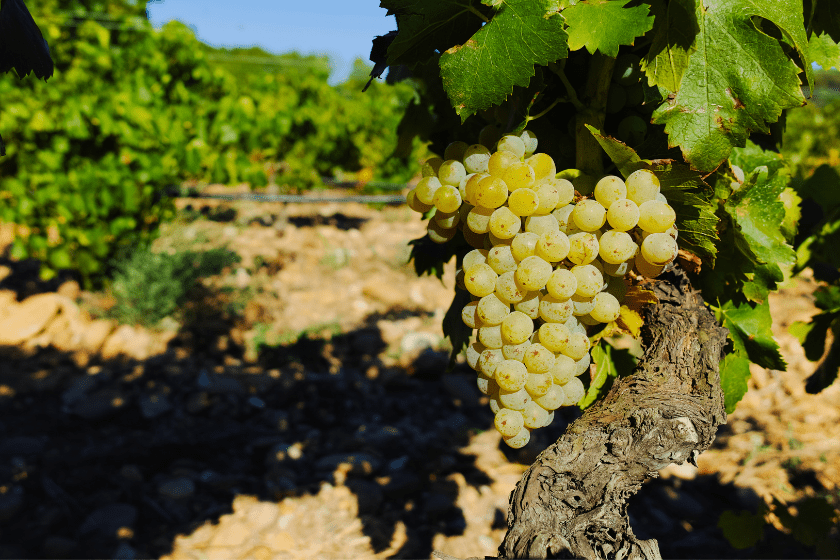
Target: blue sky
[(342, 29)]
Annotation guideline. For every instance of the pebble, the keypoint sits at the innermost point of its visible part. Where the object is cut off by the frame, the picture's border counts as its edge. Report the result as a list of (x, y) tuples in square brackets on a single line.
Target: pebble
[(107, 520), (77, 389), (99, 405), (360, 463), (461, 386), (125, 552), (11, 501), (28, 319), (416, 341), (152, 406), (177, 488), (216, 384)]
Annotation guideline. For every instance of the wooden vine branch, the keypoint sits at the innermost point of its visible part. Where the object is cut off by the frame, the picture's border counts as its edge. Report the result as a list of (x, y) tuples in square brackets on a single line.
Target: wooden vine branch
[(572, 502)]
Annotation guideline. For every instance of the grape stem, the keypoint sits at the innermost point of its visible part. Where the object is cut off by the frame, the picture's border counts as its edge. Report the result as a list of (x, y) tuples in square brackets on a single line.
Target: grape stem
[(588, 153), (570, 90)]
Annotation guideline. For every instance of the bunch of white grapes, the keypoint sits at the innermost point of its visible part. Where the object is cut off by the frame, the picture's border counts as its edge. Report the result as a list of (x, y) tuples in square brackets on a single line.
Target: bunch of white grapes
[(547, 263)]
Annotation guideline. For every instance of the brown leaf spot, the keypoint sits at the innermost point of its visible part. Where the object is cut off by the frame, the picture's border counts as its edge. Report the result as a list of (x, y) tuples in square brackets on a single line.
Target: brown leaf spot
[(689, 261), (736, 103)]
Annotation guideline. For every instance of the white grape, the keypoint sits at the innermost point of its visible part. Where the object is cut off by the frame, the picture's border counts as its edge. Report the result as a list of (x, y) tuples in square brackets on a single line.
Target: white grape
[(470, 317), (589, 280), (538, 358), (511, 375), (508, 290), (541, 224), (473, 353), (615, 247), (562, 284), (533, 272), (589, 215), (554, 310), (491, 310), (475, 256), (530, 304), (500, 258), (582, 305), (564, 369), (514, 400), (488, 360), (656, 216), (524, 245), (480, 279), (659, 249), (508, 422), (520, 440), (554, 336), (609, 189), (516, 328), (607, 308), (451, 172), (534, 415), (582, 365), (563, 216), (574, 391), (642, 185), (515, 351), (623, 215), (476, 158), (583, 247), (491, 337), (553, 246), (513, 144), (552, 400)]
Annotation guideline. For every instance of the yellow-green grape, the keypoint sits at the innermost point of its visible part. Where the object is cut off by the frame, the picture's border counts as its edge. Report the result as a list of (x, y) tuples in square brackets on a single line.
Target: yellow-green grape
[(490, 336), (499, 161), (489, 135), (474, 257), (582, 365), (589, 280), (464, 210), (447, 220), (617, 247), (516, 328), (515, 351), (514, 400), (487, 385), (462, 187), (567, 191), (524, 245), (617, 288), (577, 347), (549, 419), (518, 175), (606, 308), (455, 150), (451, 172), (489, 359), (504, 224), (508, 422), (537, 384), (582, 305), (623, 215), (574, 325), (520, 440), (532, 273), (491, 192), (656, 217), (476, 158), (494, 241), (491, 310), (588, 320), (553, 336), (562, 284), (478, 220), (535, 416), (574, 391), (473, 239), (415, 204), (672, 231), (609, 189), (659, 249), (500, 258), (495, 403), (530, 305), (589, 215), (426, 189), (553, 246), (563, 215), (447, 198), (541, 224), (430, 167), (439, 234), (523, 202), (473, 353), (512, 144), (507, 289), (583, 247), (564, 369), (642, 185), (548, 196), (555, 310), (542, 165), (617, 270), (469, 316), (471, 185), (529, 139), (459, 279), (646, 269), (552, 400), (538, 358), (511, 375), (480, 280)]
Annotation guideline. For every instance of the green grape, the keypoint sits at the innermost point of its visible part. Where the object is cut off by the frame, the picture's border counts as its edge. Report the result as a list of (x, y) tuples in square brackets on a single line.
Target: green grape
[(542, 165), (459, 279), (631, 130), (518, 175), (538, 358), (549, 418), (512, 144), (504, 224), (554, 336), (414, 203), (656, 216), (617, 270), (426, 189), (582, 365), (501, 259), (584, 184), (609, 189), (491, 192), (635, 95), (524, 245), (577, 346), (606, 308), (455, 150), (567, 191), (451, 172), (476, 158), (523, 202), (530, 305), (507, 289), (583, 247), (514, 400), (520, 440), (529, 139), (431, 166), (468, 315), (554, 310), (447, 199), (473, 353), (588, 320), (495, 403), (541, 224), (474, 257), (589, 215), (516, 328), (646, 269), (491, 310), (538, 384), (493, 241), (562, 284), (574, 391), (627, 70), (489, 135), (564, 369), (499, 161), (582, 305), (589, 280), (438, 233), (553, 246), (659, 249), (478, 220), (462, 188), (470, 186), (535, 416), (552, 400), (515, 351), (473, 239), (489, 359), (563, 216), (490, 337), (532, 273), (548, 195), (617, 247), (623, 215), (487, 385), (617, 287), (480, 279), (508, 422), (642, 185), (616, 99)]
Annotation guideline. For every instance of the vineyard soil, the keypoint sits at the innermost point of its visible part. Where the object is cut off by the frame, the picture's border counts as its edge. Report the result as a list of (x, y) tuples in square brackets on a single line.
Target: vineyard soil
[(303, 413)]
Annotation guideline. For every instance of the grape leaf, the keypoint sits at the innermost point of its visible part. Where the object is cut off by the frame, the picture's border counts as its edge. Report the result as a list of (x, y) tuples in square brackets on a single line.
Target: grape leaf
[(826, 18), (737, 81), (673, 43), (609, 363), (623, 156), (749, 329), (454, 328), (743, 529), (430, 257), (734, 373), (482, 71), (606, 25), (824, 51)]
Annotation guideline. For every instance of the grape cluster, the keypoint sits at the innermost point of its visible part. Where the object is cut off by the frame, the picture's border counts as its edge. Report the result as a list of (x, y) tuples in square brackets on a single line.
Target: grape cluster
[(546, 264)]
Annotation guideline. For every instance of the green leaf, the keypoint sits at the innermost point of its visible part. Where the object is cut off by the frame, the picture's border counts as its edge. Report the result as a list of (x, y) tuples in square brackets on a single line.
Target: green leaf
[(762, 281), (606, 25), (737, 81), (742, 530), (824, 51), (623, 156), (609, 363), (430, 257), (749, 329), (734, 373), (826, 18), (454, 327), (812, 336), (673, 44), (483, 71), (793, 212)]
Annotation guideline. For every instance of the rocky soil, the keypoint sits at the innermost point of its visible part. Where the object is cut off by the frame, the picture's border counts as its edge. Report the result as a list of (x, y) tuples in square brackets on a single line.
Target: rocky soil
[(298, 408)]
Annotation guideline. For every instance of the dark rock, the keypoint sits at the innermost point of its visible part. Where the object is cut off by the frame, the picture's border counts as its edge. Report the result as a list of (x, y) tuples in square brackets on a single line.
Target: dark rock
[(21, 446), (401, 485), (58, 547), (377, 436), (77, 389), (369, 495), (197, 402), (152, 406), (177, 488), (360, 463), (398, 464), (11, 502), (99, 405), (217, 384), (107, 520), (461, 386), (436, 503), (125, 552)]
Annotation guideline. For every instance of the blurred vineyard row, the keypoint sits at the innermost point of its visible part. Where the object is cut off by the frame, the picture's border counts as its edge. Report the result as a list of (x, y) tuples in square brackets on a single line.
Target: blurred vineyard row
[(131, 110)]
